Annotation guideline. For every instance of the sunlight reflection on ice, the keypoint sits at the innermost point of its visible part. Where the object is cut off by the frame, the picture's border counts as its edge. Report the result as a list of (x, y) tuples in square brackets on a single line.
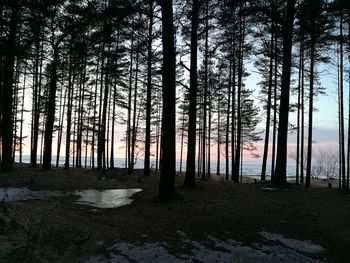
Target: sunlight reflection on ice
[(106, 198), (101, 199)]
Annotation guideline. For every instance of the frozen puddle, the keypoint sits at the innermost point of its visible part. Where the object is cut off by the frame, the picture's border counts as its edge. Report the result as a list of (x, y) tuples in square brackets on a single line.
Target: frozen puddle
[(278, 249), (100, 199), (106, 198), (11, 194)]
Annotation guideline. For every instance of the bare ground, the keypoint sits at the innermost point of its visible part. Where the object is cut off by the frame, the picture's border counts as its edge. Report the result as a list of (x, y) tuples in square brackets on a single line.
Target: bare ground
[(59, 230)]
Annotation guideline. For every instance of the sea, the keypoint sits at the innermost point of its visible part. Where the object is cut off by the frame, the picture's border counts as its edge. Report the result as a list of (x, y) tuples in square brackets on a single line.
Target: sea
[(249, 168)]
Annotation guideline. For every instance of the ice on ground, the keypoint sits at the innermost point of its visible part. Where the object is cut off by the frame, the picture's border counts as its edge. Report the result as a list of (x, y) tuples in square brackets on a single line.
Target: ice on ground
[(23, 193), (207, 251), (270, 189), (101, 199), (305, 246), (107, 198)]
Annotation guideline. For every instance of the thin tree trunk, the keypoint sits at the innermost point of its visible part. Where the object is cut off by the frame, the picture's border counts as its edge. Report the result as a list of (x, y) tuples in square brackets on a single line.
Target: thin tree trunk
[(94, 116), (192, 113), (342, 132), (302, 120), (113, 119), (22, 120), (268, 107), (235, 173), (311, 104), (60, 125), (146, 171), (69, 111), (133, 137), (182, 139), (206, 61), (218, 170), (298, 116), (128, 132), (102, 135), (228, 122)]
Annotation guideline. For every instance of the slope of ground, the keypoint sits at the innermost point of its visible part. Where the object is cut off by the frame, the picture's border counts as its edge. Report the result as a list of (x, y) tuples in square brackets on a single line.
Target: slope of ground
[(60, 230)]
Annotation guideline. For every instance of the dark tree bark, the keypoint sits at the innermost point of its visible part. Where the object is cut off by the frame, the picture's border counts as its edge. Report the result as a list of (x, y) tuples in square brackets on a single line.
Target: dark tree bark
[(50, 119), (60, 129), (228, 119), (69, 111), (22, 112), (237, 159), (297, 169), (205, 97), (94, 115), (311, 106), (102, 135), (280, 176), (342, 132), (128, 124), (192, 118), (167, 178), (302, 120), (36, 99), (149, 93), (134, 115), (7, 91), (268, 107)]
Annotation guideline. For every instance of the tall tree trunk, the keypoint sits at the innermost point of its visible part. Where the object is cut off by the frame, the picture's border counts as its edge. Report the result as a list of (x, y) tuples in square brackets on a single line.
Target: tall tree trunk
[(94, 115), (239, 103), (167, 178), (228, 121), (113, 120), (69, 111), (50, 119), (348, 160), (342, 132), (233, 108), (100, 128), (36, 100), (15, 108), (280, 176), (134, 126), (218, 170), (128, 125), (302, 119), (60, 129), (146, 171), (209, 133), (182, 139), (102, 135), (192, 113), (268, 106), (311, 104), (206, 62), (7, 91), (298, 116)]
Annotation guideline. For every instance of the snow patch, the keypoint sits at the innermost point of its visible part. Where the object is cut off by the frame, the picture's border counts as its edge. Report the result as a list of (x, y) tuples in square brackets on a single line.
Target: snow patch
[(305, 246), (207, 251)]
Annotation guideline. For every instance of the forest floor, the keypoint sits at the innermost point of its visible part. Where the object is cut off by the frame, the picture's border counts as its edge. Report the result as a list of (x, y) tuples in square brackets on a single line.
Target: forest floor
[(219, 221)]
